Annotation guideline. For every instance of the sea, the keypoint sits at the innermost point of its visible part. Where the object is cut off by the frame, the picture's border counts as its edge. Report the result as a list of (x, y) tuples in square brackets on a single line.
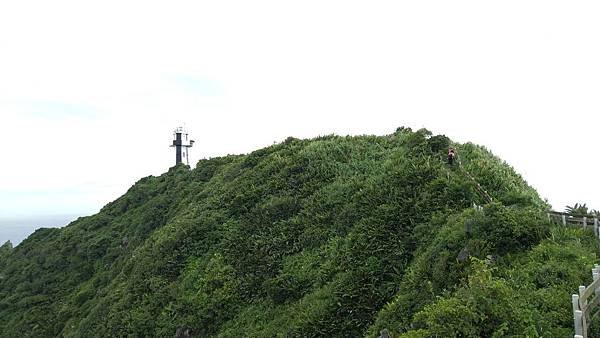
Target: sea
[(16, 229)]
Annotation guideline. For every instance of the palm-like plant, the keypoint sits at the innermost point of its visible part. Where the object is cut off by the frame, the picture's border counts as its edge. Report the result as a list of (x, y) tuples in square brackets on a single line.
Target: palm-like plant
[(577, 209)]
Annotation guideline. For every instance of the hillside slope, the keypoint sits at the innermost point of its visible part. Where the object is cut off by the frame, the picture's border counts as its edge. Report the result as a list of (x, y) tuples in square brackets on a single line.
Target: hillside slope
[(338, 236)]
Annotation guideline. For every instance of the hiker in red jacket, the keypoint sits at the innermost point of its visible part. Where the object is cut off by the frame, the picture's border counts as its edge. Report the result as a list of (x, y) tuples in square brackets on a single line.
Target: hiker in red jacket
[(451, 156)]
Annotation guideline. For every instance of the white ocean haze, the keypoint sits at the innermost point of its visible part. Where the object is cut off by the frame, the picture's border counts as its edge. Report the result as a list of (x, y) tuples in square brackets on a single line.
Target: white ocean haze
[(18, 228), (91, 91)]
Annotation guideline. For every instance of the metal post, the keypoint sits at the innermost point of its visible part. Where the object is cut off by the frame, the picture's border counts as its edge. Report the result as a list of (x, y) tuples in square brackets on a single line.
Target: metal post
[(584, 222), (564, 219)]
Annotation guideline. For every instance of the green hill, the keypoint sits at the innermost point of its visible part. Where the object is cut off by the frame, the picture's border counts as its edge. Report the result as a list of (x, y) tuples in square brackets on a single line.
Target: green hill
[(334, 236)]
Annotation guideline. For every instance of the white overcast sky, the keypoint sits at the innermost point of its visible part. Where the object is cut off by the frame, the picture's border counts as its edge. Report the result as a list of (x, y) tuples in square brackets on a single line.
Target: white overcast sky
[(90, 91)]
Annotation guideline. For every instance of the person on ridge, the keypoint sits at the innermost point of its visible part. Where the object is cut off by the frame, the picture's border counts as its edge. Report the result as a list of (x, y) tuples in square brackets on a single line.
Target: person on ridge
[(451, 156)]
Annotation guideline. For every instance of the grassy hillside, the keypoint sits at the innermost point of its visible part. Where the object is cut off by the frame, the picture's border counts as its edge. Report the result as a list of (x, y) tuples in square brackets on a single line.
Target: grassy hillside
[(337, 236)]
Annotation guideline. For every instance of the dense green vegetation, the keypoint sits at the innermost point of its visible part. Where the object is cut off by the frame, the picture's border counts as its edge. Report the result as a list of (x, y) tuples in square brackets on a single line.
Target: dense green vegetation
[(335, 236), (5, 250)]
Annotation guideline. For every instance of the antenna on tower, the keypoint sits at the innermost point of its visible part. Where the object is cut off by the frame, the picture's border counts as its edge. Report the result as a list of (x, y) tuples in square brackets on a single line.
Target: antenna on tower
[(182, 144)]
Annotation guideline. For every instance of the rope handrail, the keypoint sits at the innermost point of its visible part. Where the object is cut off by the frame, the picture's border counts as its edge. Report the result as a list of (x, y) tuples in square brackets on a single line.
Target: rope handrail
[(478, 186)]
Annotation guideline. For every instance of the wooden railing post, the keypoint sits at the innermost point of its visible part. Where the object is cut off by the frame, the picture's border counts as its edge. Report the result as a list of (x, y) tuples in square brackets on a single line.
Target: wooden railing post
[(583, 309), (584, 222), (596, 227), (577, 315), (595, 276), (564, 219)]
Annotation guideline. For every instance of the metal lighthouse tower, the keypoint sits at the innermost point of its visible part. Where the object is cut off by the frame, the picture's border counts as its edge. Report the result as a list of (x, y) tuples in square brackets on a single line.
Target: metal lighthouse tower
[(182, 143)]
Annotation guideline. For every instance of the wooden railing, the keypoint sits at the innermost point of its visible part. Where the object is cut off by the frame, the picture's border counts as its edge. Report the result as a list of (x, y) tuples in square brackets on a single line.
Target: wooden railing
[(584, 221), (585, 305)]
